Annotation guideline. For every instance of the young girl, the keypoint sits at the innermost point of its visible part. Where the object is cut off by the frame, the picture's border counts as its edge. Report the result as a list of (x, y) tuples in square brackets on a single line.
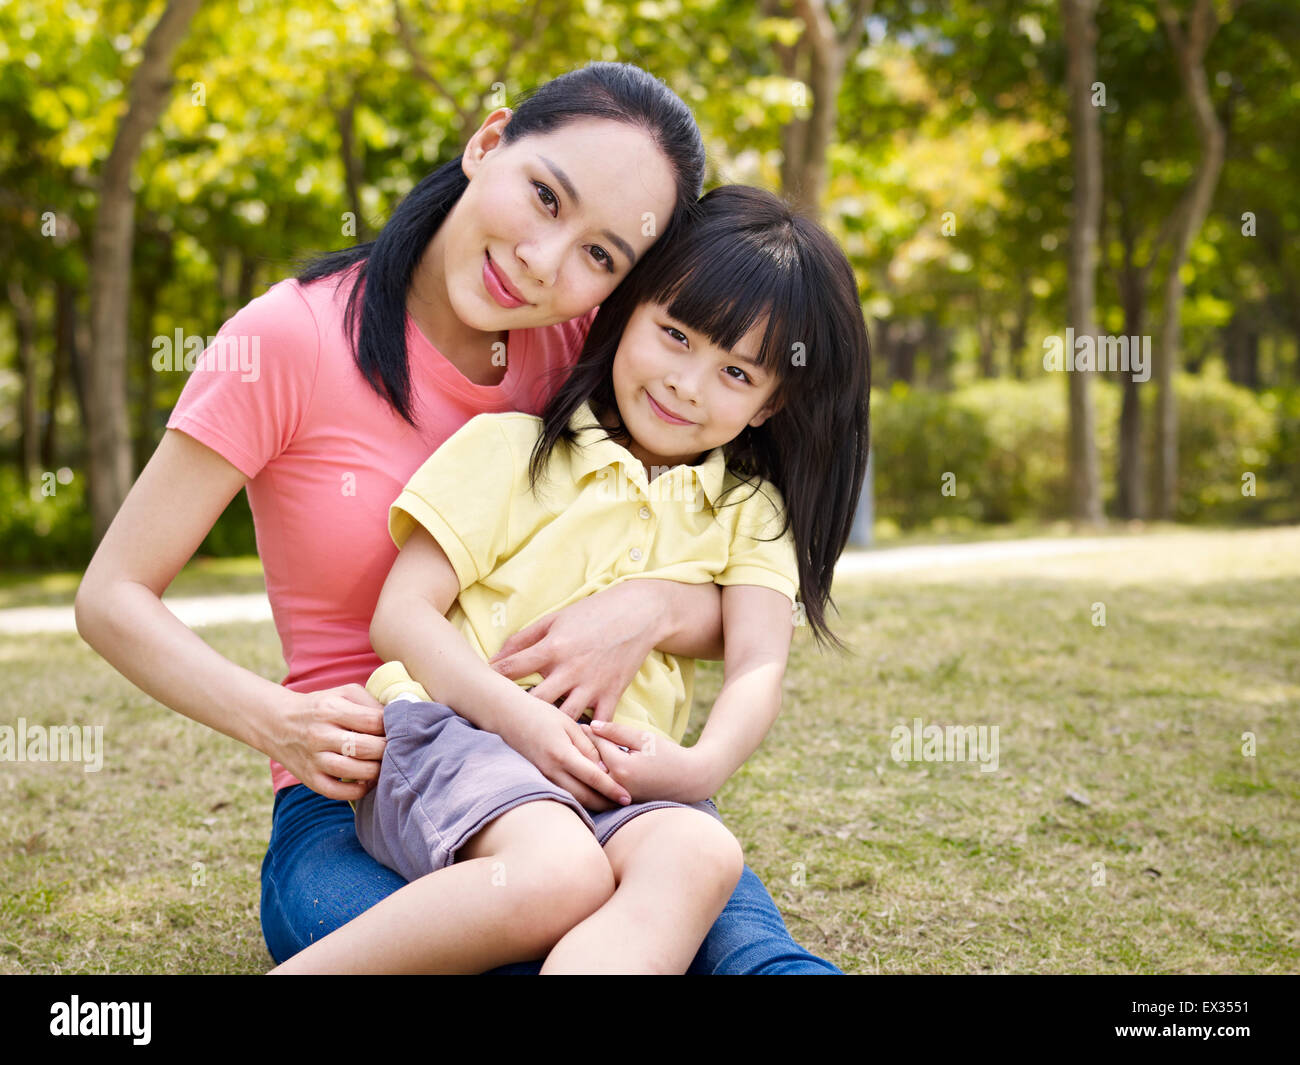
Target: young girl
[(714, 429)]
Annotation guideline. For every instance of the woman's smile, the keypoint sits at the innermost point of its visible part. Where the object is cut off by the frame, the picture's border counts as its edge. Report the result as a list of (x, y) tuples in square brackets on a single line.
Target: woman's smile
[(499, 286)]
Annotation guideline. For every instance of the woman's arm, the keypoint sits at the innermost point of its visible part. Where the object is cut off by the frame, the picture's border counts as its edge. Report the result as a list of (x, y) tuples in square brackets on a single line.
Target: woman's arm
[(410, 626), (759, 629), (590, 650), (119, 610)]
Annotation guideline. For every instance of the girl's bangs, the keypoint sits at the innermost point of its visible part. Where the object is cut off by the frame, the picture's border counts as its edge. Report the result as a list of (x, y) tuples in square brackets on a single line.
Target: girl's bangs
[(722, 289)]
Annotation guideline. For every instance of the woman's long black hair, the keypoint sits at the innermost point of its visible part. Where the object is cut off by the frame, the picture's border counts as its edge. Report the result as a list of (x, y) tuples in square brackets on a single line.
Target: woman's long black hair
[(743, 254), (616, 91)]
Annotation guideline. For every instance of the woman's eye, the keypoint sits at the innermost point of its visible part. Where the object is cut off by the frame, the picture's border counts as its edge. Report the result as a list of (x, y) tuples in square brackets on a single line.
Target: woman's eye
[(549, 199), (670, 330), (545, 195)]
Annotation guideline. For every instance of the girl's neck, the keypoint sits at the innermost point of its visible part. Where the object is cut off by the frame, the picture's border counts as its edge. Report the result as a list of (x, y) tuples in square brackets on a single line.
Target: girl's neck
[(609, 420)]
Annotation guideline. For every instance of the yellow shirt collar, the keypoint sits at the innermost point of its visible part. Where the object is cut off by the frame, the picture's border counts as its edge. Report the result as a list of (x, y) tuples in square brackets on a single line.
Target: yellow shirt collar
[(596, 451)]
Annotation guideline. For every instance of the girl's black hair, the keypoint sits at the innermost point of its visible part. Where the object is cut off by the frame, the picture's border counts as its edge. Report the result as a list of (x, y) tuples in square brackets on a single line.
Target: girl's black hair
[(742, 255), (616, 91)]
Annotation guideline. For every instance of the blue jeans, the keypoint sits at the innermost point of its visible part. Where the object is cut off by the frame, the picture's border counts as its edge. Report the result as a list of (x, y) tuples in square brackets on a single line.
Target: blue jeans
[(316, 878)]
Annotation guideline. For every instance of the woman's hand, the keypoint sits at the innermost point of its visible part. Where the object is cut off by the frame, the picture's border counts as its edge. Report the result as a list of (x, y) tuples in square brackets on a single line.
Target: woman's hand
[(590, 650), (564, 753), (332, 740), (653, 767)]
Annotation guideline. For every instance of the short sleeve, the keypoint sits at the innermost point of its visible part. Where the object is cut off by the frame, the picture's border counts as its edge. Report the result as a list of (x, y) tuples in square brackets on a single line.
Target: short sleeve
[(250, 388), (760, 553), (462, 496)]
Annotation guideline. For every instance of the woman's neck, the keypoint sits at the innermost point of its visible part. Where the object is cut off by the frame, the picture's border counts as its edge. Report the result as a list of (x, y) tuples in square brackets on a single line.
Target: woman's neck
[(469, 350)]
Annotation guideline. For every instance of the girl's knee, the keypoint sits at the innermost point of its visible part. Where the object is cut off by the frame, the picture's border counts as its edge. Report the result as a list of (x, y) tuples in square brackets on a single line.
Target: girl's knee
[(574, 870), (549, 861), (700, 847), (720, 853)]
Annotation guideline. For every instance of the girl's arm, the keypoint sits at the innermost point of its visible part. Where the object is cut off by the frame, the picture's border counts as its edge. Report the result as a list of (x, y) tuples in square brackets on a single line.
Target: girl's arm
[(590, 650), (410, 626), (318, 737), (758, 629)]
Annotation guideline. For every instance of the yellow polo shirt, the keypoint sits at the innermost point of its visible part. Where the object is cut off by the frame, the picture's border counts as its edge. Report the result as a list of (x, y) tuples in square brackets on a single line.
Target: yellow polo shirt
[(596, 522)]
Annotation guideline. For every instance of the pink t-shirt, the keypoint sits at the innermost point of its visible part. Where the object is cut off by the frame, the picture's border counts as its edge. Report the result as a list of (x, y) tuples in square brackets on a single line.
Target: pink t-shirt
[(279, 396)]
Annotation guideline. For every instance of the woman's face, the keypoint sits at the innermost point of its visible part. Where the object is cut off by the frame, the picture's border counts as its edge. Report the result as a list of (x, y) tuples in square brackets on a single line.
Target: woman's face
[(550, 224)]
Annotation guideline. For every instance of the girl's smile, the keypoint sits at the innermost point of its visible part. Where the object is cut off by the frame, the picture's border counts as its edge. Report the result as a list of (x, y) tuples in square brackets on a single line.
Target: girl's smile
[(680, 395), (666, 415)]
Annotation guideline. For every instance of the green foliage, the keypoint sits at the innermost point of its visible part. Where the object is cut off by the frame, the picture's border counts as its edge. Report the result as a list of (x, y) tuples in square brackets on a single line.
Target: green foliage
[(1027, 424), (1224, 431), (913, 434), (39, 529), (1004, 442), (233, 534), (54, 530), (1284, 460)]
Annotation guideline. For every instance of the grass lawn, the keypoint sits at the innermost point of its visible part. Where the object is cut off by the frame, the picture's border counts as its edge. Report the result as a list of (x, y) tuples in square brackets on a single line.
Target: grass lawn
[(1123, 830), (232, 576)]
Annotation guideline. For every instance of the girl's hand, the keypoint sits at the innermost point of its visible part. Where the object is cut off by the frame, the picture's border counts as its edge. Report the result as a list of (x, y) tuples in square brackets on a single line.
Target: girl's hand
[(653, 766), (589, 651), (564, 753), (332, 740)]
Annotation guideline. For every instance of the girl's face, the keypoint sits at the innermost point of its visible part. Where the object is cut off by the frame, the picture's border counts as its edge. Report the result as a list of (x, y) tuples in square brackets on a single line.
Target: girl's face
[(550, 224), (679, 394)]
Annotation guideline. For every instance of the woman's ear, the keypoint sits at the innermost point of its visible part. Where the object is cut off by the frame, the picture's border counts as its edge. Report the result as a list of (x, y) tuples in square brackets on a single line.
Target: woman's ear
[(487, 137)]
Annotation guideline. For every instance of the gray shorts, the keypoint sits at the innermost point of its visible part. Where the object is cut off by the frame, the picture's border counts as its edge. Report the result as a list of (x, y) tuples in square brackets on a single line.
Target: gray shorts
[(442, 780)]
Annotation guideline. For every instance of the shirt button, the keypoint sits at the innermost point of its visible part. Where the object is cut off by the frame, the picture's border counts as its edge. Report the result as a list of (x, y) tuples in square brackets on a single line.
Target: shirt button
[(635, 554), (644, 512)]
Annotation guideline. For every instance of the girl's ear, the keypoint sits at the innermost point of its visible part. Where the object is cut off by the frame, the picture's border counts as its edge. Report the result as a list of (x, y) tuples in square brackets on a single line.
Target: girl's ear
[(773, 405)]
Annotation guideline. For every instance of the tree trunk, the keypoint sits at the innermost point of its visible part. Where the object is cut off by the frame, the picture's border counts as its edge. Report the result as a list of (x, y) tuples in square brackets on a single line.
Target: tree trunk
[(1241, 349), (986, 332), (1079, 18), (352, 171), (1189, 47), (70, 334), (49, 435), (1016, 341), (144, 443), (109, 441), (25, 334), (806, 142), (1130, 489), (247, 278)]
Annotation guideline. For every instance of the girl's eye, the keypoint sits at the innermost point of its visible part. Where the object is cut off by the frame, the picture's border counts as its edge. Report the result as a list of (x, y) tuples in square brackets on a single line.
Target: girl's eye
[(743, 376), (670, 330)]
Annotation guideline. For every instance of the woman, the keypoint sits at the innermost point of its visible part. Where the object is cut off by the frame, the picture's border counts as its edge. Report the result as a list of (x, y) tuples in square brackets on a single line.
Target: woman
[(465, 303)]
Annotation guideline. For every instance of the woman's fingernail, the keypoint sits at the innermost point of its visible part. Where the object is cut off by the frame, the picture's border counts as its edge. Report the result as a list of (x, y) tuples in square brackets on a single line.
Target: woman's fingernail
[(604, 768)]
